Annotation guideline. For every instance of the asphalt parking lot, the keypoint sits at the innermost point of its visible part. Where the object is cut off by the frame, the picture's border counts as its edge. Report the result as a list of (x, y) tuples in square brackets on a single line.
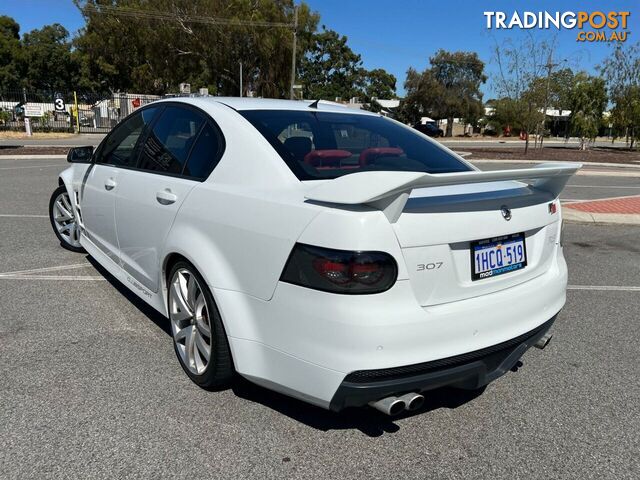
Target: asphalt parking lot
[(90, 386)]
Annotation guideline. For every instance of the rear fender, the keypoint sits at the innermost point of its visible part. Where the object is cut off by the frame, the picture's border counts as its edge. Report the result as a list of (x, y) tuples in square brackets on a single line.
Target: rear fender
[(205, 256)]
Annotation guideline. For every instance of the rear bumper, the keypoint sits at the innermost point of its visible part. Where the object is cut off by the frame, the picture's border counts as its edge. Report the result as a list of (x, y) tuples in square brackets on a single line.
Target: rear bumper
[(308, 344), (467, 371)]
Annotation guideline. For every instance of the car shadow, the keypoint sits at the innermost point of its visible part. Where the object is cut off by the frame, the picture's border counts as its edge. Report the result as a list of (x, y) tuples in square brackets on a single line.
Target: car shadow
[(367, 420), (160, 320)]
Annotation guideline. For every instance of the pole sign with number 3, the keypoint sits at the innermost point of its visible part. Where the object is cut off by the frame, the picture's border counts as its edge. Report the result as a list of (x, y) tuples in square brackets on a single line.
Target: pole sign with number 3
[(59, 105)]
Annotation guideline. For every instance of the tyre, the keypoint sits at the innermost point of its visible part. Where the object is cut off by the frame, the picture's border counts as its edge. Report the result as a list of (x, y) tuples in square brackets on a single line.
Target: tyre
[(199, 339), (63, 220)]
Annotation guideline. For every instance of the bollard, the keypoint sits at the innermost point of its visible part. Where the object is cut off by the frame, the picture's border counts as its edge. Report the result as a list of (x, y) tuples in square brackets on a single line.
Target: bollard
[(27, 126)]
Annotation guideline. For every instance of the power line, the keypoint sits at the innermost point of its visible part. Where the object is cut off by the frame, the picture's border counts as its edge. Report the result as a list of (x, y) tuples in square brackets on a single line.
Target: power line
[(157, 15)]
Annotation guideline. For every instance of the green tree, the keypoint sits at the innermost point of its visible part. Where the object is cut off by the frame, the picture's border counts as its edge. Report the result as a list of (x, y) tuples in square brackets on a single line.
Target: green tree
[(50, 64), (379, 84), (412, 107), (153, 46), (553, 91), (450, 88), (521, 82), (622, 73), (11, 64), (560, 85), (521, 114), (330, 69), (625, 114), (588, 101)]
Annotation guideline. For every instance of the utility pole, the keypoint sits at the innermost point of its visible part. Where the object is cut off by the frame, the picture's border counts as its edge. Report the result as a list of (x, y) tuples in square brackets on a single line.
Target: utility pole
[(293, 50), (549, 66), (240, 78)]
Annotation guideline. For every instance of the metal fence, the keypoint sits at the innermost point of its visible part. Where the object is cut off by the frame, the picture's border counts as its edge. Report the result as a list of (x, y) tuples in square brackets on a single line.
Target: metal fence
[(72, 111)]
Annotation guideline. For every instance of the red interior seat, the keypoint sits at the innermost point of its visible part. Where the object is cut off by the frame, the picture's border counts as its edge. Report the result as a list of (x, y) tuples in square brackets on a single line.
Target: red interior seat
[(370, 154), (326, 158)]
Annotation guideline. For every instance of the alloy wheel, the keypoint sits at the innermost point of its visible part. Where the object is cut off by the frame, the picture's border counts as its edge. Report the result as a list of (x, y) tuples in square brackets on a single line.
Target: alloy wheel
[(65, 221), (190, 321)]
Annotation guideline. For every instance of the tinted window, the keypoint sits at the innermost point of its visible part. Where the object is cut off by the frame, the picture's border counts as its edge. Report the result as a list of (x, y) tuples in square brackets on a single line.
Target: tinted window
[(204, 155), (356, 139), (319, 145), (169, 142), (119, 147)]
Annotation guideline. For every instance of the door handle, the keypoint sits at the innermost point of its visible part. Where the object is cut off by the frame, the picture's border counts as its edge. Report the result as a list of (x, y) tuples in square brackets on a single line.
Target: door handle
[(110, 184), (165, 197)]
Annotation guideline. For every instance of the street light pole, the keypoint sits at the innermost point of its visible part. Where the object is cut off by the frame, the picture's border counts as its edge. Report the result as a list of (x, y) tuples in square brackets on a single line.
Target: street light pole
[(293, 50), (549, 66), (240, 78)]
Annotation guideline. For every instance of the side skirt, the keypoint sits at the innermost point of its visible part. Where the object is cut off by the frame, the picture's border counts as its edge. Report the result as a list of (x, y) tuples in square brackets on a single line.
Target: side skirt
[(155, 300)]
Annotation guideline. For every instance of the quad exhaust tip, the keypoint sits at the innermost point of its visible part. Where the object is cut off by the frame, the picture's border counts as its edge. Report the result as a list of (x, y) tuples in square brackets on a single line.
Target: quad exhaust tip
[(543, 341), (395, 405)]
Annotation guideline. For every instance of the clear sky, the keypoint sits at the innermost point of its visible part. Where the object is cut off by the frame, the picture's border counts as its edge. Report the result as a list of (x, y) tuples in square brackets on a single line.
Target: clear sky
[(395, 35)]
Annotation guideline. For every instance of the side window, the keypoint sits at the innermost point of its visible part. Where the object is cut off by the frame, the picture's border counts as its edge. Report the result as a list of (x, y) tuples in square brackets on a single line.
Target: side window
[(169, 142), (119, 147), (205, 152)]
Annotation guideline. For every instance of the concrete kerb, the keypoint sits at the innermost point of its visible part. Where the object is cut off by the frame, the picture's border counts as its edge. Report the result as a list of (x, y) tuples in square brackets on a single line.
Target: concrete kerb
[(574, 216)]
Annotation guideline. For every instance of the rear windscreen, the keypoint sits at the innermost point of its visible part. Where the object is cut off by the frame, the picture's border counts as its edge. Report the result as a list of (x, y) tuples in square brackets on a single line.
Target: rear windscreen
[(321, 145)]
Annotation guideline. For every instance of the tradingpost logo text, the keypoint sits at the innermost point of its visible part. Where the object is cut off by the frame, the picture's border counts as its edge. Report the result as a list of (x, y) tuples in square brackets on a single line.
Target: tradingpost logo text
[(593, 26)]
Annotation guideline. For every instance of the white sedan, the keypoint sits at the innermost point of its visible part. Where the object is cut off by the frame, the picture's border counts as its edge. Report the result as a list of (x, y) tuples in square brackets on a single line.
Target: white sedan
[(329, 254)]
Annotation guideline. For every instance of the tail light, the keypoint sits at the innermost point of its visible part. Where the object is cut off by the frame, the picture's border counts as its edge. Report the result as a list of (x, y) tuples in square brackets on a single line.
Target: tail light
[(553, 209), (340, 271)]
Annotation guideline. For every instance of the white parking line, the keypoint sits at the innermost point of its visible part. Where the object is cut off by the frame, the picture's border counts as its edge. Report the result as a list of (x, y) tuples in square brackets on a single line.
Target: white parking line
[(13, 158), (36, 274), (11, 215), (605, 288), (45, 269), (74, 278), (33, 166)]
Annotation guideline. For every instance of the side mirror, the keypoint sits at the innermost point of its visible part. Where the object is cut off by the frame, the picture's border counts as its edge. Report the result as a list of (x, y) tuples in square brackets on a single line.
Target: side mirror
[(80, 155)]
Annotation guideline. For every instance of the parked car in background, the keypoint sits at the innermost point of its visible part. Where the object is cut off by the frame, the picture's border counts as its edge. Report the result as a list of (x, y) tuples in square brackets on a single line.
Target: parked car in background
[(429, 128), (329, 254)]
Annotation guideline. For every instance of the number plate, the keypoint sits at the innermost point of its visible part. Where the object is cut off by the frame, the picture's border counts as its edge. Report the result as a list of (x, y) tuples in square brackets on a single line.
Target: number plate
[(497, 256)]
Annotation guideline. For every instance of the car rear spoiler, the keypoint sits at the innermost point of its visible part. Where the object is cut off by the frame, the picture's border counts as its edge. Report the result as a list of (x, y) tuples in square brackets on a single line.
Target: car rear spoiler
[(389, 191)]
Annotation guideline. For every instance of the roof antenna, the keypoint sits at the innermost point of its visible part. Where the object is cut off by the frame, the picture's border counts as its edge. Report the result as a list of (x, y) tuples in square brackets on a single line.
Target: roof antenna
[(314, 104)]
